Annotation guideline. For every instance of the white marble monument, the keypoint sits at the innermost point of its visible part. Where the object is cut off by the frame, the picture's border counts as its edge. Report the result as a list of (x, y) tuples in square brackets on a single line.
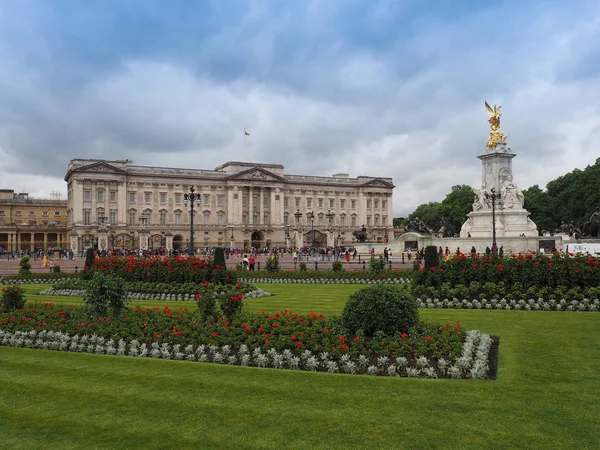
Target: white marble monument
[(512, 220)]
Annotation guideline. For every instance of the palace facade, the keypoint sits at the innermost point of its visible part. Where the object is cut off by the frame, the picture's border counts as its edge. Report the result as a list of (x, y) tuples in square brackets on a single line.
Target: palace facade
[(31, 224), (116, 204)]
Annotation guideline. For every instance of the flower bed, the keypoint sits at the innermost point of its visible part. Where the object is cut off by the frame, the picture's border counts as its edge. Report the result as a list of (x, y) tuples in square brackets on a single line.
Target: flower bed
[(282, 340), (39, 278), (327, 277), (526, 271), (254, 292), (532, 304)]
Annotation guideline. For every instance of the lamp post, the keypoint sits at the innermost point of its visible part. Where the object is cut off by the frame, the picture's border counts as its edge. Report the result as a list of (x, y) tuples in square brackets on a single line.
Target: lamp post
[(132, 233), (311, 216), (297, 215), (287, 235), (189, 199), (493, 196), (330, 215)]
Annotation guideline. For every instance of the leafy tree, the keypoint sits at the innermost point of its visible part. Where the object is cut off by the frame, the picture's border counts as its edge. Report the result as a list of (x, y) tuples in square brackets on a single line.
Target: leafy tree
[(430, 214), (399, 221), (455, 207), (539, 204)]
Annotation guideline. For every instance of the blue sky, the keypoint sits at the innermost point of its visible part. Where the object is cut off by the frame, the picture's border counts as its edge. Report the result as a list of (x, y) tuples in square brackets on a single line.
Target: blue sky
[(388, 88)]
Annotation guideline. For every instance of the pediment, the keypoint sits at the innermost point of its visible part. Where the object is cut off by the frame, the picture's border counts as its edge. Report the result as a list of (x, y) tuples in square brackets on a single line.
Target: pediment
[(378, 182), (256, 174), (97, 167)]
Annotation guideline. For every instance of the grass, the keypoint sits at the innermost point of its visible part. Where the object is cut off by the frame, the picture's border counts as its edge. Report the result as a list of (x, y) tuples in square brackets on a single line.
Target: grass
[(546, 394)]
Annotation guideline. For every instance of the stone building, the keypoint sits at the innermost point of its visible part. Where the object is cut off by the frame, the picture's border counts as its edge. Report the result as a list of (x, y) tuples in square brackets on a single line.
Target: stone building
[(115, 204), (31, 224)]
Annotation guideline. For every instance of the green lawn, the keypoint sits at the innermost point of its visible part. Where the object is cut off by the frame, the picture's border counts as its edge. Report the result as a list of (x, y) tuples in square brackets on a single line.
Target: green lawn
[(546, 394)]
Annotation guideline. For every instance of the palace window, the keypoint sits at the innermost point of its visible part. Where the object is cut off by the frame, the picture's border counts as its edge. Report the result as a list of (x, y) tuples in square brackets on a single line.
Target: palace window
[(113, 196), (244, 219), (320, 203), (376, 220), (132, 197), (31, 213), (178, 199), (376, 203), (163, 198), (265, 200), (205, 217), (342, 203), (100, 196), (285, 202), (163, 219), (45, 213), (320, 220), (368, 221), (206, 199), (308, 202), (113, 217), (244, 200), (177, 219), (369, 204), (147, 197), (286, 219), (17, 213), (297, 202), (86, 217), (266, 219), (255, 219), (353, 204), (383, 204), (220, 219), (131, 218), (343, 221), (1, 213), (87, 196), (353, 221), (384, 221), (332, 203), (220, 200)]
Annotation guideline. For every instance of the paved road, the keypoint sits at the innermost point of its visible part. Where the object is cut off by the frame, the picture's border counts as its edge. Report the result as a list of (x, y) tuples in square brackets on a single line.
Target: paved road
[(286, 263)]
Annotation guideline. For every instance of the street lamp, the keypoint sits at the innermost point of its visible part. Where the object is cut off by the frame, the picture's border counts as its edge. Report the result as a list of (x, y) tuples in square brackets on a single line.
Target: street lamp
[(132, 233), (189, 199), (493, 197), (311, 216), (330, 215)]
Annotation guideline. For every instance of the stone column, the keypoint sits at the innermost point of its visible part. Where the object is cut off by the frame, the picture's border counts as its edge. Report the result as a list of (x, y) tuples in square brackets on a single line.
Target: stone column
[(18, 241), (32, 242), (360, 210), (45, 241), (274, 208), (250, 205), (230, 207), (121, 203), (261, 207)]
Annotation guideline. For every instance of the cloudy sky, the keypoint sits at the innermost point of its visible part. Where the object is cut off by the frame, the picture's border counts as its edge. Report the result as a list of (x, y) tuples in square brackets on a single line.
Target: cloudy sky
[(383, 88)]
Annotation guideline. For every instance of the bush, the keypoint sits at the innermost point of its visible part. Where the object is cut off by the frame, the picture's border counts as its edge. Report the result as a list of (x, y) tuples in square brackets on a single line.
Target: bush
[(272, 264), (55, 269), (302, 267), (89, 261), (25, 265), (431, 257), (220, 258), (377, 265), (337, 266), (104, 292), (12, 298), (385, 308)]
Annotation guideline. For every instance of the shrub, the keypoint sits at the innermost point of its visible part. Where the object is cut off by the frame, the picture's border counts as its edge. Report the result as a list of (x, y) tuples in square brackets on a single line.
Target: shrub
[(25, 265), (302, 267), (104, 292), (220, 258), (56, 269), (385, 308), (337, 266), (89, 261), (431, 257), (12, 298), (272, 264), (377, 265), (214, 298)]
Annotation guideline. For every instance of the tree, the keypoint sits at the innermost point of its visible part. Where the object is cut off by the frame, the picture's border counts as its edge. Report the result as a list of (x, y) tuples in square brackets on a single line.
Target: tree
[(539, 204), (399, 221), (455, 207), (430, 214)]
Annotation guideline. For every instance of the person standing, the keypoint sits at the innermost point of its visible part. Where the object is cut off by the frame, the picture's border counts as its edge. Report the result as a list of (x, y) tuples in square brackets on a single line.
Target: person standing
[(252, 261)]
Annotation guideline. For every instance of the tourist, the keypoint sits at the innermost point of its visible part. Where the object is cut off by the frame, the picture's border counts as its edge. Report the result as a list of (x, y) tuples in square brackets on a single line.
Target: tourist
[(251, 262)]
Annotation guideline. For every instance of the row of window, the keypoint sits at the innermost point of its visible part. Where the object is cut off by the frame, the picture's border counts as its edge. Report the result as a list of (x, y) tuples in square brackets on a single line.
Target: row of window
[(32, 213), (133, 219), (206, 200)]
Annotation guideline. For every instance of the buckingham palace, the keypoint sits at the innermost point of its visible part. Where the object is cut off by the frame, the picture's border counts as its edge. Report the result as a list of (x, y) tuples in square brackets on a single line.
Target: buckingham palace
[(116, 204)]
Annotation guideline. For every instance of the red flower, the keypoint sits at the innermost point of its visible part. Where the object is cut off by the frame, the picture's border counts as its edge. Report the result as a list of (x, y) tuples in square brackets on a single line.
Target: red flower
[(299, 344), (428, 338), (155, 334), (266, 342), (356, 338), (206, 284), (248, 329), (455, 328), (214, 335), (294, 338), (499, 267), (61, 313), (275, 325), (404, 336), (79, 325), (198, 295), (100, 319), (342, 338), (325, 330), (177, 333)]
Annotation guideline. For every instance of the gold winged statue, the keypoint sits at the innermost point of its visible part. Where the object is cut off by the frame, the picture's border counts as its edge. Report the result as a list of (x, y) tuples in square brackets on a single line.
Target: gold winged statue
[(494, 120)]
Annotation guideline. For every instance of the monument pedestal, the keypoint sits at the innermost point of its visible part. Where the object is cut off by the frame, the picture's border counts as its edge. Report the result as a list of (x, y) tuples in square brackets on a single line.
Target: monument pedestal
[(509, 223), (512, 220)]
